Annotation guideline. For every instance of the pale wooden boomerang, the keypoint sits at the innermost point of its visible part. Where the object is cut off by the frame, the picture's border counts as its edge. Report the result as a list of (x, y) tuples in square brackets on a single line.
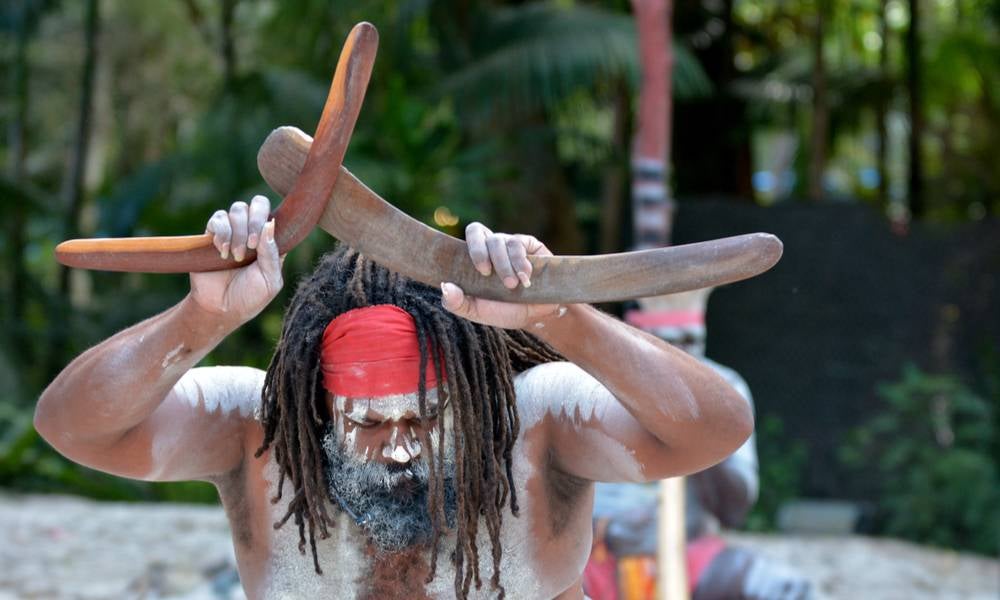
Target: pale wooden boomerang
[(312, 175)]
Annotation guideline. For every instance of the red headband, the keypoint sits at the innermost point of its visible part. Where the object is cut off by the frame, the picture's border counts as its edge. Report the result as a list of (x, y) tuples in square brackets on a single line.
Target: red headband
[(373, 351)]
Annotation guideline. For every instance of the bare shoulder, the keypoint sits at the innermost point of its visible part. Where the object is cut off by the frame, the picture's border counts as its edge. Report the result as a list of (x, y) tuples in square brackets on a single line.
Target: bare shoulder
[(557, 388), (588, 434), (198, 431)]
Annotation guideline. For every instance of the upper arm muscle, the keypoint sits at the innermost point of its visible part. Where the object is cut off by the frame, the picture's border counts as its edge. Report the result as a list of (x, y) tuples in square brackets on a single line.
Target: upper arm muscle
[(197, 432)]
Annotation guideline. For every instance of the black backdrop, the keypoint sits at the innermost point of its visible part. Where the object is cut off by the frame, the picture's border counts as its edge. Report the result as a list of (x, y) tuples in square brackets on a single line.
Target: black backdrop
[(847, 306)]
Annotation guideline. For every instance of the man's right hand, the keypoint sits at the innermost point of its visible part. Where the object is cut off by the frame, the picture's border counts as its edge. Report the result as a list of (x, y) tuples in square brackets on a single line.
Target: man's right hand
[(240, 294)]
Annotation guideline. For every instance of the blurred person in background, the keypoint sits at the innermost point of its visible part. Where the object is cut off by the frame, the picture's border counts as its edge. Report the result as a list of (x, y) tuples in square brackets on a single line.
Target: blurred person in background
[(623, 562)]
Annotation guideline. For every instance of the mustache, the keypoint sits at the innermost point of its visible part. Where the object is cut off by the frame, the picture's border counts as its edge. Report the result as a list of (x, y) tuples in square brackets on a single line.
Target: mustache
[(394, 478), (353, 480)]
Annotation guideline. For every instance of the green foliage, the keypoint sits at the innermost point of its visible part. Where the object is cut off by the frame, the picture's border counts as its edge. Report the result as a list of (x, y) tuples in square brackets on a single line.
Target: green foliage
[(781, 467), (176, 129), (532, 57), (961, 93), (931, 450)]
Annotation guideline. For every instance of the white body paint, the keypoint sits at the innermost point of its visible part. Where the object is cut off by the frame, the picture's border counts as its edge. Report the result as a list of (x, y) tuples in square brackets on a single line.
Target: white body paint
[(586, 400), (394, 407), (523, 575), (290, 575), (222, 389), (172, 356)]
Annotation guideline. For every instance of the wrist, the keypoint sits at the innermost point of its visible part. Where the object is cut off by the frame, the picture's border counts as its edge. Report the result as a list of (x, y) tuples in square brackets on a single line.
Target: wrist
[(211, 320)]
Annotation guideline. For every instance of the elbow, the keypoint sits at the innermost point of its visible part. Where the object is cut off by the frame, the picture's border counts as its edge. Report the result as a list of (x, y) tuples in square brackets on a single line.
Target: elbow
[(744, 422), (43, 421), (48, 424), (728, 426), (741, 423)]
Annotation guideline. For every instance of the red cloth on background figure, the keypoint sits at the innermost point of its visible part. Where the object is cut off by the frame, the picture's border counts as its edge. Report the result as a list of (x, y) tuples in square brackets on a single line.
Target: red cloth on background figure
[(634, 577)]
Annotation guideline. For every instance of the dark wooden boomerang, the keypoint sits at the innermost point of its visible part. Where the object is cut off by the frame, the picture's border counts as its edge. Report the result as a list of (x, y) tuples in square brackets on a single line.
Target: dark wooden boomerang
[(297, 215), (358, 216)]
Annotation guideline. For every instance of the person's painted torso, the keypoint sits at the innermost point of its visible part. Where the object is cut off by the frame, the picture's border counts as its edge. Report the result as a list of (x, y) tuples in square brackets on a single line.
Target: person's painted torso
[(544, 549)]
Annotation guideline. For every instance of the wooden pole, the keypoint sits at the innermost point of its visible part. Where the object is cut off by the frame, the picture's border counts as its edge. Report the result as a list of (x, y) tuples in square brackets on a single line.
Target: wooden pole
[(671, 561), (653, 212)]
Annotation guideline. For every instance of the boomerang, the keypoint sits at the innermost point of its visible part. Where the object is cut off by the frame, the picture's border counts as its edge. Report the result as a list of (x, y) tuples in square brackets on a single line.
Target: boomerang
[(320, 191)]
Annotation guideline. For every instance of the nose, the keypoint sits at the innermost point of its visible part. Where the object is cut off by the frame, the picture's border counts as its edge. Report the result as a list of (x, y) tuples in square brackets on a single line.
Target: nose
[(403, 445)]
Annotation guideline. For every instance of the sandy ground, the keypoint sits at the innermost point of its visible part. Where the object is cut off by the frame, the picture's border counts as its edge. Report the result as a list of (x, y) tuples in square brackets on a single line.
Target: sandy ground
[(58, 547), (861, 568)]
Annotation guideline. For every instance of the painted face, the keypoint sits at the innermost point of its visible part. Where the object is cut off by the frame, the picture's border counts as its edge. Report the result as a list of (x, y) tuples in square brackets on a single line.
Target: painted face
[(377, 470), (388, 501), (385, 429)]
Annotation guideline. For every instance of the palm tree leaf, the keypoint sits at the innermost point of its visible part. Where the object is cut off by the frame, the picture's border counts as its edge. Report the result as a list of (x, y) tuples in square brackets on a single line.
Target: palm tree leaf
[(534, 56)]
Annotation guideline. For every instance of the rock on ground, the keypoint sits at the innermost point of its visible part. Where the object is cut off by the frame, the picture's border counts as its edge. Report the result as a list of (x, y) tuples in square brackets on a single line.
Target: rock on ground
[(58, 547)]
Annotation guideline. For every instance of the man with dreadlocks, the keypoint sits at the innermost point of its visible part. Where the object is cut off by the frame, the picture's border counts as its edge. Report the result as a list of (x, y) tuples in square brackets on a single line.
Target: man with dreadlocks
[(405, 441)]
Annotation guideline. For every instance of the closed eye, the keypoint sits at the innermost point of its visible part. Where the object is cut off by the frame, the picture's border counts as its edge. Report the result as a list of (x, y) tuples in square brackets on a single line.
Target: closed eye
[(364, 422)]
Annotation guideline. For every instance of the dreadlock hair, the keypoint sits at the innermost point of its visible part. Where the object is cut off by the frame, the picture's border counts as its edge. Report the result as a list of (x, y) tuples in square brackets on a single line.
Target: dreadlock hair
[(478, 363)]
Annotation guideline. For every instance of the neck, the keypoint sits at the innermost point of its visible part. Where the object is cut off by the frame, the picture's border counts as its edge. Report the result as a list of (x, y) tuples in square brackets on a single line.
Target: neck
[(399, 574)]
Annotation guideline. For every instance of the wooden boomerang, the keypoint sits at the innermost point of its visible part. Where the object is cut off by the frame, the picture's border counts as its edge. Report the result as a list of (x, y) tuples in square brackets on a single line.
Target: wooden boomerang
[(320, 188), (358, 216), (296, 216)]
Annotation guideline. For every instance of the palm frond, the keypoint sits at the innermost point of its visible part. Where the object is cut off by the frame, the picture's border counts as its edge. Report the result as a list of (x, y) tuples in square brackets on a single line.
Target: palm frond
[(534, 56)]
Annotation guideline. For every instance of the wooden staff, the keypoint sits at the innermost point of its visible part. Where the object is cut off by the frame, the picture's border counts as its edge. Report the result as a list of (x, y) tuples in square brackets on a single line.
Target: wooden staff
[(653, 212)]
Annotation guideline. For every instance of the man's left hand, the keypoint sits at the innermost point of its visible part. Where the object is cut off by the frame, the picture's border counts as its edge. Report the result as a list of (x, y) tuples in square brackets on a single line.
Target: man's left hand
[(504, 256)]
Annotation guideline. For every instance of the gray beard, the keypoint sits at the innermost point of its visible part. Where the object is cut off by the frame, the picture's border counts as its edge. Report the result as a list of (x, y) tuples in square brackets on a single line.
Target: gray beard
[(389, 503)]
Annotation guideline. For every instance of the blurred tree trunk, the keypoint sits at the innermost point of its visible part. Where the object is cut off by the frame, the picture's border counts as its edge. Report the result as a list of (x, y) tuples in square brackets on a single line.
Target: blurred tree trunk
[(223, 38), (882, 110), (16, 150), (227, 52), (914, 82), (821, 109), (614, 184), (717, 160), (73, 186), (226, 47)]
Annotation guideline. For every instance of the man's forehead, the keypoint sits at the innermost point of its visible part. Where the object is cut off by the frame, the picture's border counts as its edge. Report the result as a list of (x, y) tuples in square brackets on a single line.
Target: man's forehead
[(389, 405)]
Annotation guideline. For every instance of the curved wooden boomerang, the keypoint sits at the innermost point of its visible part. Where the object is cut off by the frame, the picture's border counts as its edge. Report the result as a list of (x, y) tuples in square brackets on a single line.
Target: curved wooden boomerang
[(297, 215), (320, 189), (358, 216)]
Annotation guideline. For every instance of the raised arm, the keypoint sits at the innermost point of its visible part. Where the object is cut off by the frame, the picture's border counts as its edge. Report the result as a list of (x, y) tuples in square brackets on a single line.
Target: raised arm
[(627, 406), (134, 405)]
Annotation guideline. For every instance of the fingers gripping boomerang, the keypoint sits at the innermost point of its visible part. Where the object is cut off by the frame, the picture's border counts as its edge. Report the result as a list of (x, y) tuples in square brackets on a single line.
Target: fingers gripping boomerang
[(321, 191)]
